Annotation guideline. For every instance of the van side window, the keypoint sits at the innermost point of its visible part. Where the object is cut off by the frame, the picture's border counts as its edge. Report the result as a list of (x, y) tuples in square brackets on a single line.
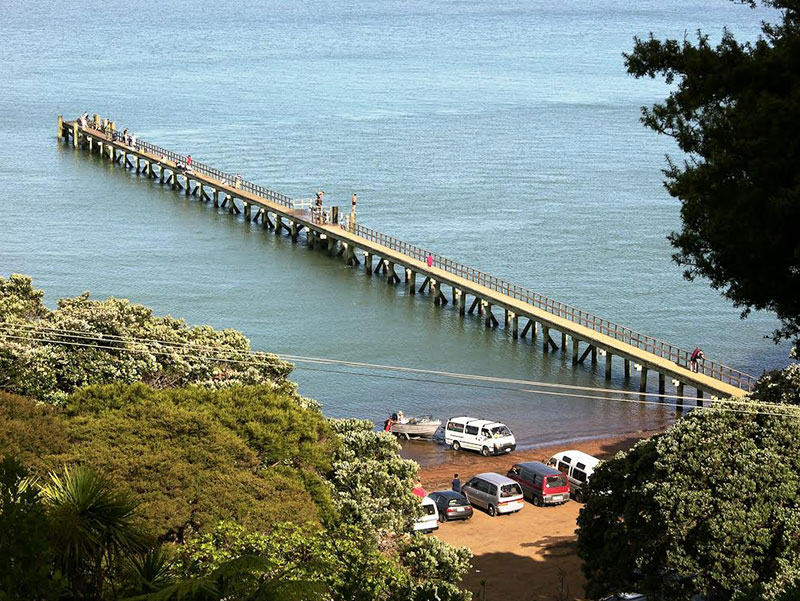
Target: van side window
[(453, 427), (580, 466), (566, 459), (481, 486), (579, 475), (473, 430), (491, 488), (485, 432), (563, 468)]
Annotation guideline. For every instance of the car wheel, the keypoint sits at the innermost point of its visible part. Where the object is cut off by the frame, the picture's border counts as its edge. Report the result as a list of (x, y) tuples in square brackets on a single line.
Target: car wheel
[(538, 501), (456, 445), (485, 451), (492, 511), (579, 497)]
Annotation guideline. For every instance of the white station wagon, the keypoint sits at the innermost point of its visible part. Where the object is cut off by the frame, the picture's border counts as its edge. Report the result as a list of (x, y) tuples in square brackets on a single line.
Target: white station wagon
[(486, 436)]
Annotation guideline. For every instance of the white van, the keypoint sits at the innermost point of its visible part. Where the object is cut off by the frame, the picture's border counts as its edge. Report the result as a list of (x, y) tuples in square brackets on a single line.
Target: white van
[(429, 521), (578, 467), (495, 493), (486, 436)]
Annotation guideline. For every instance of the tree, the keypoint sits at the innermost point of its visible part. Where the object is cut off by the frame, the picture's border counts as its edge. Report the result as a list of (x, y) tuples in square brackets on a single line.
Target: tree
[(372, 482), (27, 554), (735, 111), (48, 354), (712, 506), (94, 525)]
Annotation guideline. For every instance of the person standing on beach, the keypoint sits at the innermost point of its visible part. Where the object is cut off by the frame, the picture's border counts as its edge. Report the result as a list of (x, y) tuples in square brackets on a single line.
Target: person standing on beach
[(697, 354), (456, 483)]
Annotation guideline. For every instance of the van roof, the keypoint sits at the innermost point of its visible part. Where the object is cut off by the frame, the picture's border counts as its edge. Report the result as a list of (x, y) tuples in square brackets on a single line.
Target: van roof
[(539, 468), (495, 478), (474, 421), (588, 460)]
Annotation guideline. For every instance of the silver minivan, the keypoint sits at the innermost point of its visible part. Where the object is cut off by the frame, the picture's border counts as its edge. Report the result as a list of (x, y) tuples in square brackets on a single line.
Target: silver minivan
[(495, 493)]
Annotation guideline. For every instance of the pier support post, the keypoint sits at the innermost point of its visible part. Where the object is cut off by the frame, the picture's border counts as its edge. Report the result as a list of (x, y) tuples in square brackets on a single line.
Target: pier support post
[(247, 213), (506, 317), (563, 342), (435, 291), (699, 398), (528, 327), (594, 355), (91, 145), (188, 186), (75, 135), (278, 224), (368, 262), (392, 278), (643, 380), (545, 339), (60, 127), (491, 320), (662, 383), (608, 366), (679, 394), (293, 230), (626, 368), (199, 191), (514, 326), (216, 197), (462, 302), (412, 282), (575, 350)]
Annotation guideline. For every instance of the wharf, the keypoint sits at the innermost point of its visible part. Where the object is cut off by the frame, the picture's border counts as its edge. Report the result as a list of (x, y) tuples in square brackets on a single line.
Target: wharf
[(582, 334)]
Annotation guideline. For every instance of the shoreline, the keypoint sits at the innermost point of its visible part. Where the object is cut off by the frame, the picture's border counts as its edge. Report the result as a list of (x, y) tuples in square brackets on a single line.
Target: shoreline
[(439, 475)]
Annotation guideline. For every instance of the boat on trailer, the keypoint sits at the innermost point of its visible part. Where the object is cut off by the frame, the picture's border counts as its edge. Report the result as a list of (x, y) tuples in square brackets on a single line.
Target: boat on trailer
[(423, 426)]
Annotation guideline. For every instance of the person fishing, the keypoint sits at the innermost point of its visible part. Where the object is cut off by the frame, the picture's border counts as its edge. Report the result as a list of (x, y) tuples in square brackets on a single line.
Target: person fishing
[(694, 360)]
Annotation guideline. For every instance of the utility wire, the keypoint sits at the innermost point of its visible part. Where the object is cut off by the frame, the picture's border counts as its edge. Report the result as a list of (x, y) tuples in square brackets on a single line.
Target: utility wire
[(778, 409), (274, 359)]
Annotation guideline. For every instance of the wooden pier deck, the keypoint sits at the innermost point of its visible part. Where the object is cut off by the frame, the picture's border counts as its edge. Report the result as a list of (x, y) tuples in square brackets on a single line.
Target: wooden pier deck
[(582, 334)]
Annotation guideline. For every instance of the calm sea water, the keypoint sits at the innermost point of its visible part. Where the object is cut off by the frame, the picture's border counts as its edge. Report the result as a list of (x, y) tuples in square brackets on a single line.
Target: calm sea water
[(505, 135)]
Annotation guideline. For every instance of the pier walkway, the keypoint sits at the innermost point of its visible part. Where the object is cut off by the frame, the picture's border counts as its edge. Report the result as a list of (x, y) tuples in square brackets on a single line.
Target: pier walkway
[(561, 327)]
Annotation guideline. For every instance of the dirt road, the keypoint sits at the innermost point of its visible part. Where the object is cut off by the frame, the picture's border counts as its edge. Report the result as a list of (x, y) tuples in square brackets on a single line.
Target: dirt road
[(527, 556)]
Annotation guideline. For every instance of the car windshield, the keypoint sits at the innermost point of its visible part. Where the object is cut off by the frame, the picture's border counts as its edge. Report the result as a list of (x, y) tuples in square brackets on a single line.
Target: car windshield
[(510, 490), (501, 431), (556, 481)]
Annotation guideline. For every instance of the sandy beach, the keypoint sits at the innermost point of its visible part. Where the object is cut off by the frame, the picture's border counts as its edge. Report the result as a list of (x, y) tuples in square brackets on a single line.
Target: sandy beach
[(530, 555)]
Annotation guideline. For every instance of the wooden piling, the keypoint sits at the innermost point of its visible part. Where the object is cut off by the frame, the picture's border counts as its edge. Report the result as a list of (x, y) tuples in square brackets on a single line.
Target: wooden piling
[(699, 398), (247, 212), (545, 339), (412, 282), (608, 366), (575, 350), (368, 262), (462, 303), (626, 368), (643, 380), (75, 135), (514, 326), (662, 383), (60, 127), (435, 291), (680, 395)]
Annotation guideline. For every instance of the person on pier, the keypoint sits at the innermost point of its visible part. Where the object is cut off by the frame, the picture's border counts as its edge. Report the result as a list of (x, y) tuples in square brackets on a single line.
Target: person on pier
[(694, 360)]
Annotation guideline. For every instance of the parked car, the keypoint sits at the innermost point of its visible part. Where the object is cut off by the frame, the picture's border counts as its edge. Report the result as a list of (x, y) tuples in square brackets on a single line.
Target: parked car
[(578, 467), (486, 436), (451, 505), (429, 521), (495, 493), (542, 484)]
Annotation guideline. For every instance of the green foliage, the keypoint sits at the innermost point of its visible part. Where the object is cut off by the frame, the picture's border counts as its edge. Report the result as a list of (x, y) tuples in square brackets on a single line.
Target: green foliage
[(735, 111), (27, 556), (31, 431), (372, 482), (94, 527), (782, 386), (429, 558), (45, 359), (712, 506)]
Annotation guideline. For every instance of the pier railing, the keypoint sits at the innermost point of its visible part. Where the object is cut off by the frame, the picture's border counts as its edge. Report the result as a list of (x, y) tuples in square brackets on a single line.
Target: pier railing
[(227, 178), (619, 332), (624, 334)]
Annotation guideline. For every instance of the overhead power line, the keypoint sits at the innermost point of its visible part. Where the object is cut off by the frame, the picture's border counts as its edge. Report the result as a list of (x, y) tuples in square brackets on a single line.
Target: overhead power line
[(83, 339)]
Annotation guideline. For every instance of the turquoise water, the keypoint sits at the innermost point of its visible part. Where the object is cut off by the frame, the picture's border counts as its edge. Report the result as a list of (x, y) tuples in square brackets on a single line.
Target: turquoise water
[(504, 135)]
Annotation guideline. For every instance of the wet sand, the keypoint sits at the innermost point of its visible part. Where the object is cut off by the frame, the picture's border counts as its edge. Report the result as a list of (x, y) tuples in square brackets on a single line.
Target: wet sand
[(530, 555)]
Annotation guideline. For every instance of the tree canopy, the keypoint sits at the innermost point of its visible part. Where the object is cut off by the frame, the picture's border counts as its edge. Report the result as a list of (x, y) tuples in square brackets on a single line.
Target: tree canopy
[(712, 506), (47, 354), (734, 109)]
